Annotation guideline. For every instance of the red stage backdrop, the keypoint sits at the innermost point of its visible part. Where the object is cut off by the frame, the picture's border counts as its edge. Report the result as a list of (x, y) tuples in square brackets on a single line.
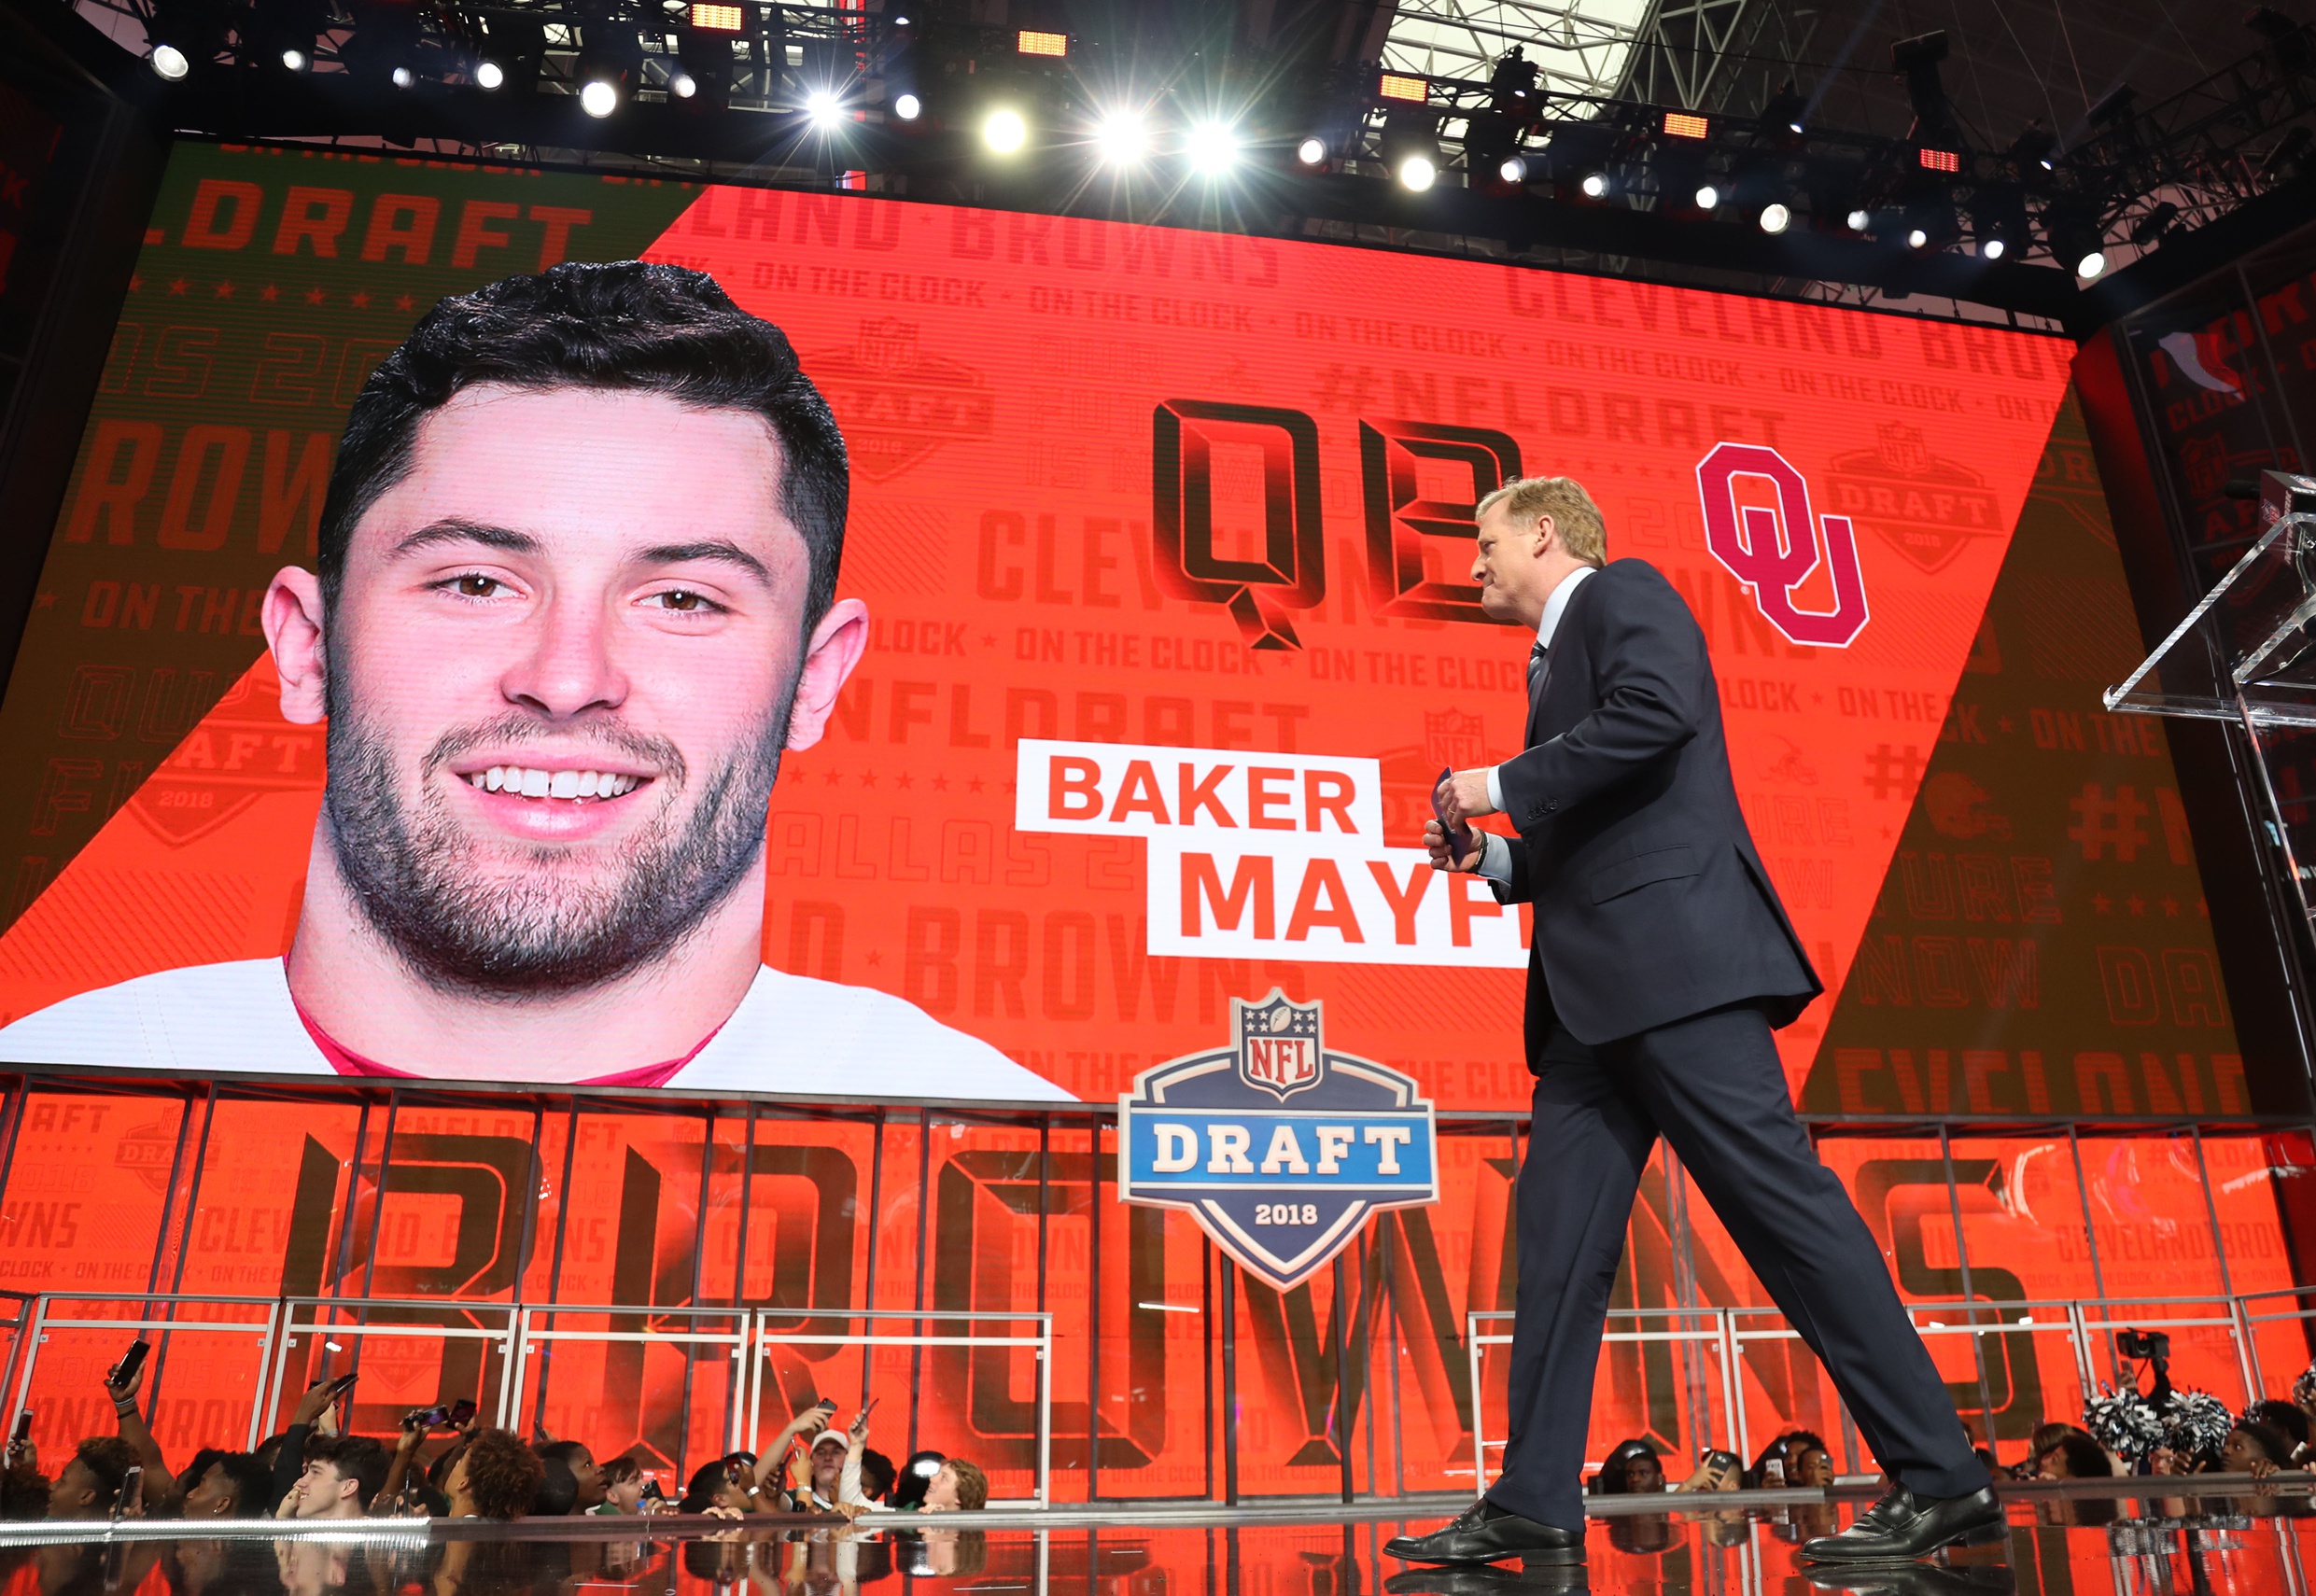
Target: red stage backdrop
[(1207, 495)]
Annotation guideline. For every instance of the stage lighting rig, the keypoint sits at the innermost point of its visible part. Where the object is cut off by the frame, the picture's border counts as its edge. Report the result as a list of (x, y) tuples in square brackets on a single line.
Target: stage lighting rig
[(1004, 131), (1122, 138), (1212, 149), (1409, 146)]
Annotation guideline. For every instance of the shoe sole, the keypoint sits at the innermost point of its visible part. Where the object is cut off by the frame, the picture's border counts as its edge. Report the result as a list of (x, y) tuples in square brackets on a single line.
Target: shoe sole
[(1986, 1534), (1547, 1557)]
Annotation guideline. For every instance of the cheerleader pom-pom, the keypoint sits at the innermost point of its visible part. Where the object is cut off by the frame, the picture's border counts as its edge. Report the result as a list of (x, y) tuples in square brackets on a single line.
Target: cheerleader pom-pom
[(2196, 1422), (2124, 1422)]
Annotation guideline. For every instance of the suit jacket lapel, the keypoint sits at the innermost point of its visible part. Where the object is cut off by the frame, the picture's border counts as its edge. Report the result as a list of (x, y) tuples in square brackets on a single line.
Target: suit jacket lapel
[(1557, 657)]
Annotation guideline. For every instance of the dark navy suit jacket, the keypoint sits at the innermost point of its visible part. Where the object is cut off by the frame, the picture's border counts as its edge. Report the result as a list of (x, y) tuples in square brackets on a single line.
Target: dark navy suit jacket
[(1651, 905)]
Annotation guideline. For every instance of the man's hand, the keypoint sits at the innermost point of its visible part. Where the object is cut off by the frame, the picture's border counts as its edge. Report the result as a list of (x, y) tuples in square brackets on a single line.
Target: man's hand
[(1436, 843), (126, 1391), (1464, 797), (314, 1402)]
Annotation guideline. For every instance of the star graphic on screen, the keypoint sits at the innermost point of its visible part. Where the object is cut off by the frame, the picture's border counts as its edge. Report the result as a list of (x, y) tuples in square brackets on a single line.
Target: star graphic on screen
[(2138, 904), (403, 301), (178, 285), (1009, 788), (868, 778), (2171, 906), (940, 784), (875, 958), (135, 282), (834, 779), (315, 296), (989, 639), (224, 291), (46, 601), (269, 293), (359, 299), (2006, 724), (974, 784), (905, 781), (2099, 902)]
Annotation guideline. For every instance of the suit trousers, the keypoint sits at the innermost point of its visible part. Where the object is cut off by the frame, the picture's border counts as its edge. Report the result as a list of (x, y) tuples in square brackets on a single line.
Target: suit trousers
[(1712, 1086)]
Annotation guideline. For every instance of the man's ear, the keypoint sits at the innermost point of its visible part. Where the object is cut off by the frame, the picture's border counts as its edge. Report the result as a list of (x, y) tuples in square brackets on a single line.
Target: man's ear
[(1546, 536), (293, 623), (830, 653)]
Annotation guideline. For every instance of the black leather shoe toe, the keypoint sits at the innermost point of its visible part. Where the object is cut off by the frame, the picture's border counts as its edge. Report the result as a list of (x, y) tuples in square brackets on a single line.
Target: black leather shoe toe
[(1484, 1534), (1903, 1526)]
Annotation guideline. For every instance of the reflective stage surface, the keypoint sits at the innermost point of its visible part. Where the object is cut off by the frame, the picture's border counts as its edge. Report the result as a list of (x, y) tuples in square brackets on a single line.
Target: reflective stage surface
[(2061, 1541)]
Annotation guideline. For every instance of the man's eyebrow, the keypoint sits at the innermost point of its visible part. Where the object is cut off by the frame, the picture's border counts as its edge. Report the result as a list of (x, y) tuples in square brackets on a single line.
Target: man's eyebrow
[(451, 530), (713, 549)]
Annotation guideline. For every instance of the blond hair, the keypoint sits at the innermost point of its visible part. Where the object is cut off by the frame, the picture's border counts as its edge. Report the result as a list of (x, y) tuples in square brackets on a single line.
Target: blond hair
[(1575, 517)]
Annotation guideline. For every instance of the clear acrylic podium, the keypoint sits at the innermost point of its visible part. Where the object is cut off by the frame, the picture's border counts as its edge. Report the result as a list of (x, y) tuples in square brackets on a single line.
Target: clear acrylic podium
[(2247, 654)]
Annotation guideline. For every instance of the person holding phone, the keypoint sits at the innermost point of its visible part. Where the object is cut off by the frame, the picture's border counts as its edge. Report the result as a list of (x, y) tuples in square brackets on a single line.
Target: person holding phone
[(768, 1489), (1660, 966), (305, 1421)]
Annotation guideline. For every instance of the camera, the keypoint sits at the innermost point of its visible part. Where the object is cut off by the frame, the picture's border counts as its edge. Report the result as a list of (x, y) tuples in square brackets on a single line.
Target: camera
[(2153, 1345)]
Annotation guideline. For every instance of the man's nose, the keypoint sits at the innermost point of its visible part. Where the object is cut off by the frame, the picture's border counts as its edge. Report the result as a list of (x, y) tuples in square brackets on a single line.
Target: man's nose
[(570, 668)]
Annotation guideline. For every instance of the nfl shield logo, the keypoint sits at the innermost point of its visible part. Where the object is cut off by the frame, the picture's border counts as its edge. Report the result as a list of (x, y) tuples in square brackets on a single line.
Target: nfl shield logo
[(1452, 737), (1278, 1044)]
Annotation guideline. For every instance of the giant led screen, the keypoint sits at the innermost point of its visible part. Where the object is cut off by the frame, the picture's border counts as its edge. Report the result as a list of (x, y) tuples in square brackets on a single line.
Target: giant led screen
[(1094, 669)]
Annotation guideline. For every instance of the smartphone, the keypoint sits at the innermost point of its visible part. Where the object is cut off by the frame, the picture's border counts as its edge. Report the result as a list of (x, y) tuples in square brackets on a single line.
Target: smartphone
[(866, 1408), (343, 1383), (433, 1418), (132, 1490), (652, 1492), (1773, 1472), (1459, 835), (22, 1432), (130, 1361), (461, 1413)]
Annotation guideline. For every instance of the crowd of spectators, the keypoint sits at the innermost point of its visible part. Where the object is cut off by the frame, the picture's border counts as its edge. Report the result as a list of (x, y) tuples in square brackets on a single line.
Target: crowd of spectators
[(446, 1462)]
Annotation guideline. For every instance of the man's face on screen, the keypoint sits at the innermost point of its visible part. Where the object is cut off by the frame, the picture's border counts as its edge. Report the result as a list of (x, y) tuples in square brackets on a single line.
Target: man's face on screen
[(560, 668)]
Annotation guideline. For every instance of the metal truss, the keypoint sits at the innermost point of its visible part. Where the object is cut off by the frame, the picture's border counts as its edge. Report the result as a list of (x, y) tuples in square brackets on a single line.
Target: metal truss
[(1681, 48), (1580, 46)]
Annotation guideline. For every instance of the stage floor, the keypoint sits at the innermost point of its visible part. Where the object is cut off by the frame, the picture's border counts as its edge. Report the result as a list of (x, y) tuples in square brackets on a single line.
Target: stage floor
[(2076, 1538)]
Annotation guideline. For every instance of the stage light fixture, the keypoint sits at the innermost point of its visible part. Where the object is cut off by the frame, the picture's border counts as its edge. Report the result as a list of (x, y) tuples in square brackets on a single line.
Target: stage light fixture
[(1212, 149), (1514, 170), (1992, 249), (681, 84), (1419, 172), (169, 62), (1028, 41), (2091, 264), (1004, 132), (1917, 238), (1708, 196), (598, 99), (1684, 124), (907, 106), (488, 74), (2156, 225), (403, 77), (1400, 85), (1595, 185), (1311, 151), (295, 60), (1775, 218), (722, 18), (823, 110), (1915, 60), (1858, 220), (1122, 138)]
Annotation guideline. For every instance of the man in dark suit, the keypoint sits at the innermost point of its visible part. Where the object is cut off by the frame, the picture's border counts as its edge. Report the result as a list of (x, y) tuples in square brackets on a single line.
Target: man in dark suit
[(1660, 962)]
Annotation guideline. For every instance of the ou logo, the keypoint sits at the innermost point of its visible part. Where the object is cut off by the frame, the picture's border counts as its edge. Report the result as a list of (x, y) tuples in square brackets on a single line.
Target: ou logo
[(1773, 552)]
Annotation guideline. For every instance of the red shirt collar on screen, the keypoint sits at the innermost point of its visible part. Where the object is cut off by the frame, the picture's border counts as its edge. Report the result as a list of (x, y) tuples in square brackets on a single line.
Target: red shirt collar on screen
[(347, 1062)]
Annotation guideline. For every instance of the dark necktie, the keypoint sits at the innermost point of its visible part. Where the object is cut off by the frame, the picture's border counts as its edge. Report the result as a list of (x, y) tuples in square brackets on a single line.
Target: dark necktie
[(1540, 671)]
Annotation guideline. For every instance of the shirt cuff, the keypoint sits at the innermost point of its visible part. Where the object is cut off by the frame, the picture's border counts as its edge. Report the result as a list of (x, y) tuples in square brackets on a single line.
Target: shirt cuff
[(1495, 856), (1496, 789)]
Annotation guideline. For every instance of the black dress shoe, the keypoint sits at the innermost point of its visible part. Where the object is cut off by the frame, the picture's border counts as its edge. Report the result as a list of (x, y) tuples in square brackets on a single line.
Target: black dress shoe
[(1484, 1532), (1915, 1579), (1482, 1579), (1903, 1526)]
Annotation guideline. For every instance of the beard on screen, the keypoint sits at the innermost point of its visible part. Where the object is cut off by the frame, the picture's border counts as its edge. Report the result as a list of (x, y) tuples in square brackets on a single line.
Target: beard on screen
[(513, 920)]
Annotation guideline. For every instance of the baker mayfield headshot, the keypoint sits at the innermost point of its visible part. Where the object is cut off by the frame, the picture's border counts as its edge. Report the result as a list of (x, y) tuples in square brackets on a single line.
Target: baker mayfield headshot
[(575, 597)]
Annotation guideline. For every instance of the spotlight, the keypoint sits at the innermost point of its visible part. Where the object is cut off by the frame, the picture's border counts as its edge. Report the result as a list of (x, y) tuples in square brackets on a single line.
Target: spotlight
[(2156, 226), (295, 60), (403, 77), (1004, 132), (680, 83), (1775, 218), (170, 62), (1311, 151), (2074, 238), (1858, 220), (1595, 185), (1708, 196), (1419, 172), (1212, 149), (823, 110), (1993, 249), (1121, 138), (489, 75), (598, 99), (2091, 264), (1917, 238), (907, 107), (1514, 170)]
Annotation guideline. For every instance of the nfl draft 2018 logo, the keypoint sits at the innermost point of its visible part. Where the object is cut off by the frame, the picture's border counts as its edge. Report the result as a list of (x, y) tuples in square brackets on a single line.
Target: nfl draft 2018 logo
[(1278, 1148)]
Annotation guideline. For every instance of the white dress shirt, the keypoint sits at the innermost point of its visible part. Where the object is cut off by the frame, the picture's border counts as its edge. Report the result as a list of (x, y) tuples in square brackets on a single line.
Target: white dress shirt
[(1496, 854)]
